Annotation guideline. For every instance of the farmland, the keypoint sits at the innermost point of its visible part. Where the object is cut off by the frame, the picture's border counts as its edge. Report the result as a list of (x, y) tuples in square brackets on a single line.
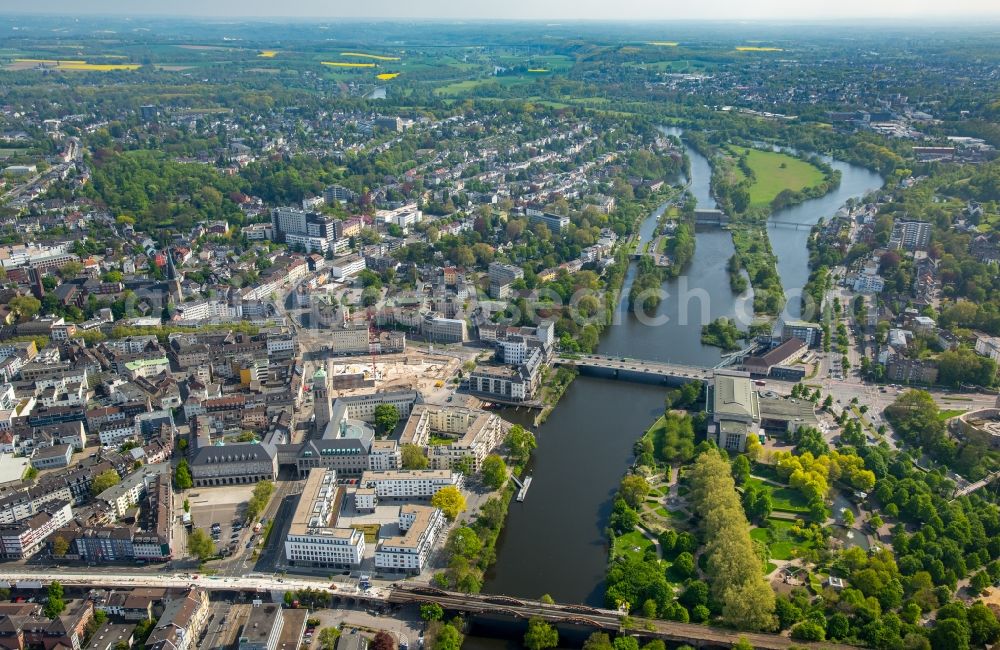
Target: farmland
[(344, 64), (362, 55), (71, 65)]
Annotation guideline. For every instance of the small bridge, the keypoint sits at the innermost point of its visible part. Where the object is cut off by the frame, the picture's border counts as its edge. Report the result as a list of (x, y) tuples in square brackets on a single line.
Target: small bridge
[(738, 356), (778, 223), (637, 370), (969, 489), (594, 618)]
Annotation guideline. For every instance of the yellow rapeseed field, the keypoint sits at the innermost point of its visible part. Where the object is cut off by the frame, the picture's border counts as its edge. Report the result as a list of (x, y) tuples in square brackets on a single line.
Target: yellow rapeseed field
[(377, 57), (663, 43), (754, 48), (268, 54), (386, 76), (81, 65), (538, 70)]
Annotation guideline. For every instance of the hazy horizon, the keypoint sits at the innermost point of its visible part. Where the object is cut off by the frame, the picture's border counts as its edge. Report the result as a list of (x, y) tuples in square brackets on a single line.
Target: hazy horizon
[(557, 10)]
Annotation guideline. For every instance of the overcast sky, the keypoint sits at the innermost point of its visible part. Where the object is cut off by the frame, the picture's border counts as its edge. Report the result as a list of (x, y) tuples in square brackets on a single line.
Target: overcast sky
[(525, 9)]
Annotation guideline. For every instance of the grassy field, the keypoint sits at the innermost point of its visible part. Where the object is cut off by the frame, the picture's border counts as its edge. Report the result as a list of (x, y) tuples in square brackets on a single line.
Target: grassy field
[(633, 544), (463, 88), (784, 546), (784, 499), (947, 414), (775, 172)]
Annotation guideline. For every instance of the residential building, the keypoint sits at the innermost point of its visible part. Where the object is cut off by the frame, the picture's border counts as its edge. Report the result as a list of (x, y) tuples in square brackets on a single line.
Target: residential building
[(182, 622), (51, 457), (25, 538), (408, 484), (473, 435), (910, 235), (501, 276), (262, 629), (554, 222), (915, 371), (508, 383), (988, 346), (408, 552)]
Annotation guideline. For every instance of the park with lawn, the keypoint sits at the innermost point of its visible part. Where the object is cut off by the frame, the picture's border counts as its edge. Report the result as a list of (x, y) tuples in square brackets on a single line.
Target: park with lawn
[(773, 172)]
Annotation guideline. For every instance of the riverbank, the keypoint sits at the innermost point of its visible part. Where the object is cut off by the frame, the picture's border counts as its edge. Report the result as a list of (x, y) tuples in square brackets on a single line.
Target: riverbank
[(682, 243)]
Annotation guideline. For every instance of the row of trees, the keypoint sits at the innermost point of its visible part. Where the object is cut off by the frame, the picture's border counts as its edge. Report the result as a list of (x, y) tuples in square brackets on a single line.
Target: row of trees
[(734, 566)]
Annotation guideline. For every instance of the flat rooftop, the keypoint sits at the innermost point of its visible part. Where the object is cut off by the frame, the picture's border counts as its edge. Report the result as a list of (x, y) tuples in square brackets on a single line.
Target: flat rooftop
[(789, 409), (319, 506)]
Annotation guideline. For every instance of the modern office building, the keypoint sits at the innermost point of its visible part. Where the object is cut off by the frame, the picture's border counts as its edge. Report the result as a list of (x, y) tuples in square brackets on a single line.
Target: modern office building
[(438, 329), (554, 222), (311, 231), (313, 539), (811, 333)]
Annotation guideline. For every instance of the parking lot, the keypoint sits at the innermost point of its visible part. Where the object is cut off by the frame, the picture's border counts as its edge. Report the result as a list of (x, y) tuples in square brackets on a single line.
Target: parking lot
[(219, 505)]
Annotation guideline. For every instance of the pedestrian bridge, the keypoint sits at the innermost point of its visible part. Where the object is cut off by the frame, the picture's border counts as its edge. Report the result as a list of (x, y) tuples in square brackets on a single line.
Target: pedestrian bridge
[(637, 370)]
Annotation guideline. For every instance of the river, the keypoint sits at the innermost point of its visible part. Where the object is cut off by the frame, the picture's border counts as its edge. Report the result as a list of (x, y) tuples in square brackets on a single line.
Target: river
[(554, 542)]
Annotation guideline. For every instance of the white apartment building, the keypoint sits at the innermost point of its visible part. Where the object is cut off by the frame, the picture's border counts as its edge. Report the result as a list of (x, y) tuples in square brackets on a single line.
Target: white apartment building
[(114, 434), (407, 553), (313, 538), (206, 310), (404, 216), (988, 346), (475, 434), (25, 538), (345, 266), (409, 484)]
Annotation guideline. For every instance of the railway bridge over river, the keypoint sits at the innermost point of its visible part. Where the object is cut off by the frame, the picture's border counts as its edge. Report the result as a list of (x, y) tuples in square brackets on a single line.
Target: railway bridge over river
[(593, 617)]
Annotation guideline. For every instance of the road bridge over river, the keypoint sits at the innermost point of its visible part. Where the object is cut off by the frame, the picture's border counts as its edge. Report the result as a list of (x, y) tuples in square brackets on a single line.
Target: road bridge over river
[(638, 370)]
